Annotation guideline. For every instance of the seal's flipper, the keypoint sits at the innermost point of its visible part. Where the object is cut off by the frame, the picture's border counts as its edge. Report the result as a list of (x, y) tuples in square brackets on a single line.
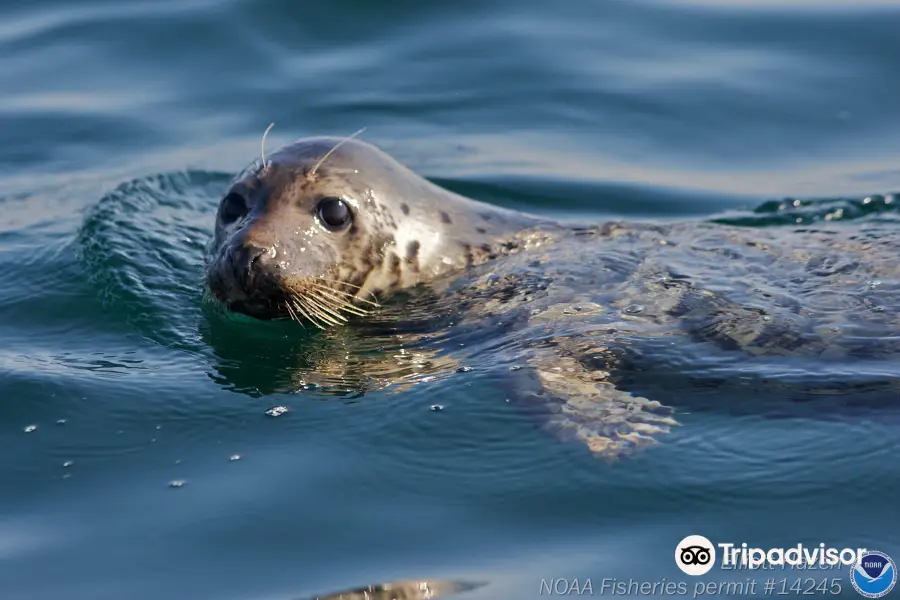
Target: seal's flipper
[(585, 405)]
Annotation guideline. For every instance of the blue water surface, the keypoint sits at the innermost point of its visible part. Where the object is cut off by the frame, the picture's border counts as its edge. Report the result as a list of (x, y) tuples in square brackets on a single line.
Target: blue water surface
[(138, 460)]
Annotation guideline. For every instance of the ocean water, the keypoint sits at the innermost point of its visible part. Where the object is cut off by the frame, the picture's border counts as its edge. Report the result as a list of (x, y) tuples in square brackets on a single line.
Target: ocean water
[(138, 459)]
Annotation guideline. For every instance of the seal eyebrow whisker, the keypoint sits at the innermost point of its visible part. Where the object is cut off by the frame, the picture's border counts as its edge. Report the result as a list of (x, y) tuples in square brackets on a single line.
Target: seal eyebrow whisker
[(262, 146), (315, 168)]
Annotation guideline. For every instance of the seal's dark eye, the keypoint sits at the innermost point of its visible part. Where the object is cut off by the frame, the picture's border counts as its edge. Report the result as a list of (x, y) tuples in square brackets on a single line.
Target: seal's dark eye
[(233, 208), (334, 213)]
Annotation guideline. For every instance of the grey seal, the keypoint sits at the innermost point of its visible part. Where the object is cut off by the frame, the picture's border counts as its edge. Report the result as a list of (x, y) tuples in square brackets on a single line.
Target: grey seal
[(328, 228)]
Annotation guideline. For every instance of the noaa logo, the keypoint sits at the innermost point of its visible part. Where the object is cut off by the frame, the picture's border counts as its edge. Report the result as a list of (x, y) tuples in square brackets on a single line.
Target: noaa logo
[(874, 575), (695, 555)]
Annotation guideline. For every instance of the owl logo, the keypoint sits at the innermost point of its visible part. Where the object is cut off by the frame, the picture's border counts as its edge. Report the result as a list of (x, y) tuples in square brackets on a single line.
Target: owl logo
[(695, 555)]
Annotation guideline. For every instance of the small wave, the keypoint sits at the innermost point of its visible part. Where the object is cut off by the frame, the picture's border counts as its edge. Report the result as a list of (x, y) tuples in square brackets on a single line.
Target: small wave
[(142, 247), (796, 211)]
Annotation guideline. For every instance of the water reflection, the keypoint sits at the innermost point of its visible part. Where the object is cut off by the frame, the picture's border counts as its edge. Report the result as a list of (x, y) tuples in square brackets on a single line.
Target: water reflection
[(397, 346), (404, 590)]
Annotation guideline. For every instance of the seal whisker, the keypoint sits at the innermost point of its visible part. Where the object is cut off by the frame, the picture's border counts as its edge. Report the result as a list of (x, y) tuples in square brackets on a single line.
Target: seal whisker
[(373, 302), (340, 304), (310, 306), (293, 315), (336, 295), (318, 303), (313, 300), (359, 288), (329, 288), (334, 302), (299, 306), (347, 283), (350, 309), (315, 168), (290, 312), (262, 146)]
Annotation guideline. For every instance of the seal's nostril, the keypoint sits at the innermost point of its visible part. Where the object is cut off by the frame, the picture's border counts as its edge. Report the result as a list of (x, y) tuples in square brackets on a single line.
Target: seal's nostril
[(245, 264), (255, 254), (249, 256)]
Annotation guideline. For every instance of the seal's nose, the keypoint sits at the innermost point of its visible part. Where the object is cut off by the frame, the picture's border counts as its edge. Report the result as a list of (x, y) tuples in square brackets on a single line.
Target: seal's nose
[(247, 261)]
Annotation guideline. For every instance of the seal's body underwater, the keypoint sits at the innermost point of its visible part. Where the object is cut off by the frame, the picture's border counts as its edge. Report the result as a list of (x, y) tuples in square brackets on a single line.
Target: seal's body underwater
[(327, 228)]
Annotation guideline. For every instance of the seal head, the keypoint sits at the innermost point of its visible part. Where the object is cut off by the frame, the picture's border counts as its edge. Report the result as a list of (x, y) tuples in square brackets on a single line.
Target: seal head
[(329, 226)]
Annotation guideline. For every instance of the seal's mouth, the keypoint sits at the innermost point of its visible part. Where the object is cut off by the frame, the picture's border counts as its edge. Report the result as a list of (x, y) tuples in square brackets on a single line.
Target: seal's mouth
[(250, 290), (263, 307), (250, 280), (318, 301), (264, 311)]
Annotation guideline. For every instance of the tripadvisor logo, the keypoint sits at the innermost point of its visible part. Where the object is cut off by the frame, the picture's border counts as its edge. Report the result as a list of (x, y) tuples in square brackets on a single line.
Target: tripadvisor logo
[(695, 555)]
